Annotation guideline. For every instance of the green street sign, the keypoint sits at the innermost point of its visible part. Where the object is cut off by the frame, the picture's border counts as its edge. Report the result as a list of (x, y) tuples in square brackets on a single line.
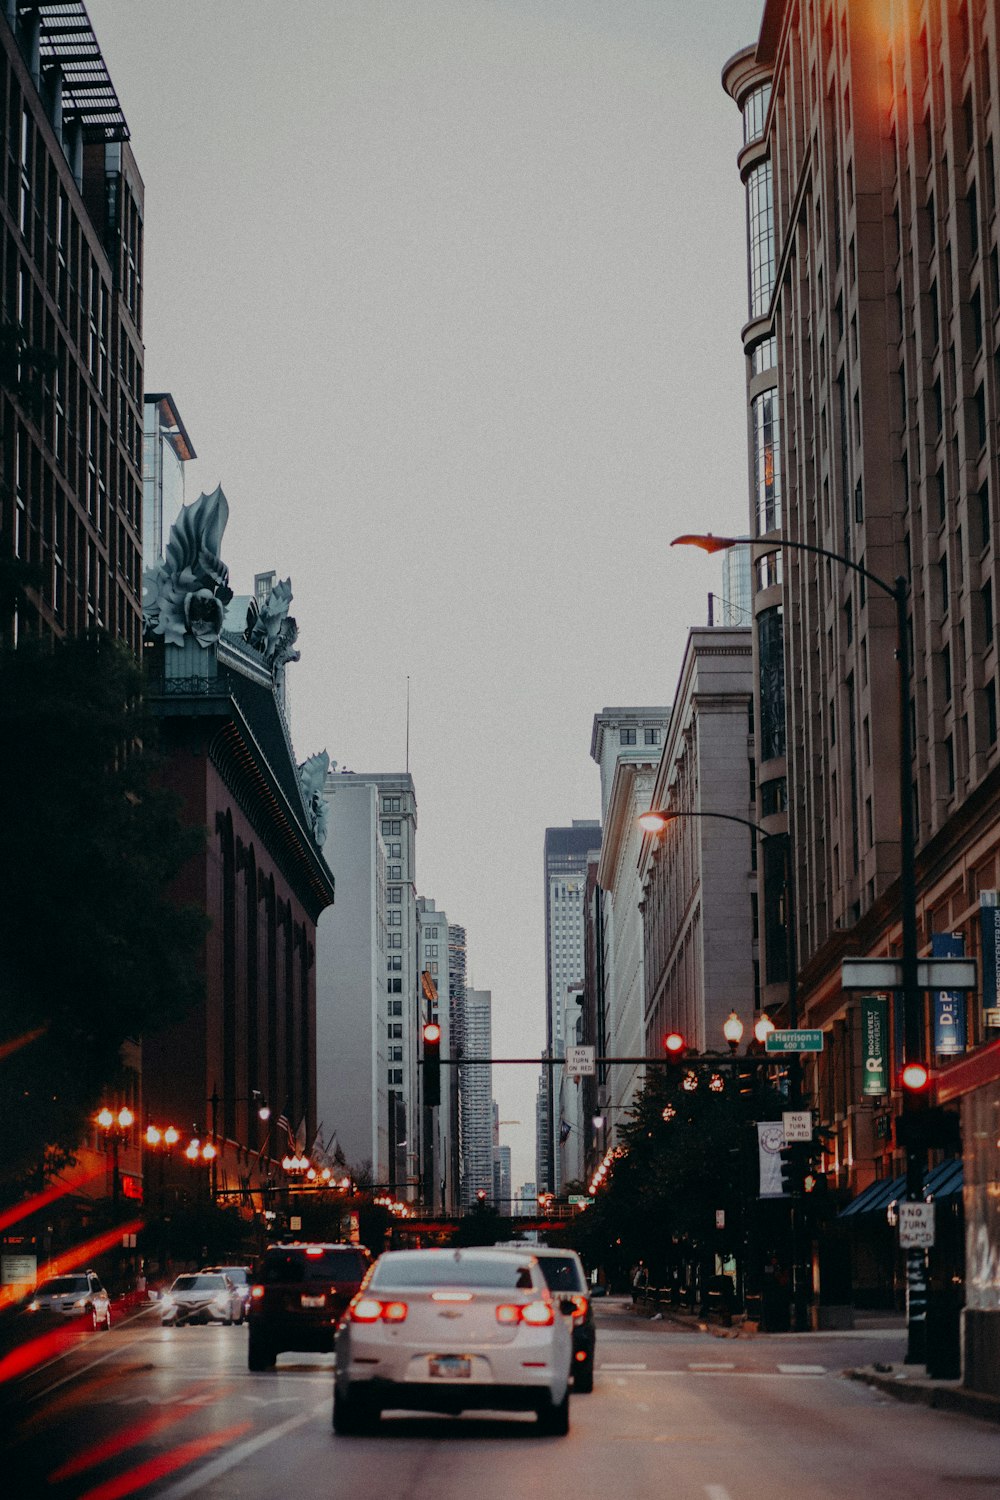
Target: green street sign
[(794, 1041)]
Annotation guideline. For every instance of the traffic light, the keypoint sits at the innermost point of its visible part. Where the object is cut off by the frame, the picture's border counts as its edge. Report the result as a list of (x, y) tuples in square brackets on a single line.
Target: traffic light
[(674, 1046), (791, 1170), (930, 1129), (915, 1079), (432, 1064)]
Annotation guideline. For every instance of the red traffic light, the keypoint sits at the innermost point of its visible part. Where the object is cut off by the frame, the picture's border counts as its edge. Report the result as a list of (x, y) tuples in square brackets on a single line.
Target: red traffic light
[(915, 1077), (432, 1033), (673, 1044)]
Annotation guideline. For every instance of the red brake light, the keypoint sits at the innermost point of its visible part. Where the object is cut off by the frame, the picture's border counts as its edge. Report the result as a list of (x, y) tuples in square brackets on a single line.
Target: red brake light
[(370, 1310), (256, 1291), (314, 1250), (579, 1305), (536, 1314)]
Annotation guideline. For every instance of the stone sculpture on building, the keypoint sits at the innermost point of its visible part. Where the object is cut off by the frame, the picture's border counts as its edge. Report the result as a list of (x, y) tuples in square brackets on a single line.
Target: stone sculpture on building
[(186, 594), (312, 778), (271, 630)]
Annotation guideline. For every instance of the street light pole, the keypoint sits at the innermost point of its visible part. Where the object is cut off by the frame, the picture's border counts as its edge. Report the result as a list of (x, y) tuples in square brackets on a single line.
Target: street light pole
[(910, 993), (654, 822)]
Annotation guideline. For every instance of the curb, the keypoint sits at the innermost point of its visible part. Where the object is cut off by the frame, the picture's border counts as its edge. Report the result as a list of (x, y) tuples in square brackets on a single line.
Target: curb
[(941, 1395)]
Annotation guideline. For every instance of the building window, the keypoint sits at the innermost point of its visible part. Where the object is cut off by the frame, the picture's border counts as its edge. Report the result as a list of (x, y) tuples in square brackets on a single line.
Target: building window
[(395, 1031), (395, 1007), (652, 736), (395, 964), (394, 986), (394, 872), (626, 736), (391, 827), (764, 356), (395, 1075), (770, 641), (766, 462), (394, 918), (391, 805), (394, 851), (991, 712), (986, 594), (755, 113), (395, 940), (760, 238), (394, 895), (396, 1053)]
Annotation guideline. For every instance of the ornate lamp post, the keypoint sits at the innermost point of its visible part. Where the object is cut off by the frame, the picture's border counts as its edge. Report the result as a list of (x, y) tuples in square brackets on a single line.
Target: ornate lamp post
[(116, 1127)]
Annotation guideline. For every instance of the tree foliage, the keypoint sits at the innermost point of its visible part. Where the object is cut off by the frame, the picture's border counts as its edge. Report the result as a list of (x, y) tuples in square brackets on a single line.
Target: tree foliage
[(94, 949), (686, 1155)]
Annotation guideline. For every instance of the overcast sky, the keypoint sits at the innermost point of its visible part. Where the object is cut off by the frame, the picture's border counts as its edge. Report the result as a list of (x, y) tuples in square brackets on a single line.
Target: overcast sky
[(448, 293)]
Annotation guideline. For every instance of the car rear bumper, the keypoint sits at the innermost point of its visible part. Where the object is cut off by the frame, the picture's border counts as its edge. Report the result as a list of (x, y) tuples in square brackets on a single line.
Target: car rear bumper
[(452, 1396)]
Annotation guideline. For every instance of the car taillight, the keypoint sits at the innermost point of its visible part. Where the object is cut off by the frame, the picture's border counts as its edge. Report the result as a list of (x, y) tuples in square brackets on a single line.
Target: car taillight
[(537, 1314), (370, 1310), (579, 1306), (256, 1291)]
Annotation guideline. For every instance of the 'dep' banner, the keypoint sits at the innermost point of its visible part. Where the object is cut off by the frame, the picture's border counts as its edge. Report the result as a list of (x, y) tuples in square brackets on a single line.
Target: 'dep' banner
[(949, 1005), (875, 1044)]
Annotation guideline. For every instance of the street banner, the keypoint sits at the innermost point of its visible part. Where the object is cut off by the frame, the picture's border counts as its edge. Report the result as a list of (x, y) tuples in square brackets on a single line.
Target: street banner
[(770, 1139), (949, 1005), (875, 1045), (989, 918)]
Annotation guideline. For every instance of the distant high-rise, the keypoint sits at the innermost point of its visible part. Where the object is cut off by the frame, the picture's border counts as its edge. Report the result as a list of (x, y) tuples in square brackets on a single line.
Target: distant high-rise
[(566, 851), (433, 963), (397, 829), (457, 969), (477, 1099), (71, 420)]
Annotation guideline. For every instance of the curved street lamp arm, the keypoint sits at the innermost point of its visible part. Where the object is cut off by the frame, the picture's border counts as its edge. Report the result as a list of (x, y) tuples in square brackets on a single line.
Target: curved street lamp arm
[(710, 543)]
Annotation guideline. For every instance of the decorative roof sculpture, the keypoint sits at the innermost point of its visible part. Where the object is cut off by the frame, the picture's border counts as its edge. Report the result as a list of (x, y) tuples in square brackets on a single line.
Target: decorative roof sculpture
[(271, 630), (312, 778), (187, 593)]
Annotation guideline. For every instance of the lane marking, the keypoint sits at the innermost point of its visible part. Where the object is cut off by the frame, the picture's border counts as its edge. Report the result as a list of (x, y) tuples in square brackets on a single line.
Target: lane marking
[(802, 1369), (716, 1492), (228, 1460), (622, 1367), (709, 1364)]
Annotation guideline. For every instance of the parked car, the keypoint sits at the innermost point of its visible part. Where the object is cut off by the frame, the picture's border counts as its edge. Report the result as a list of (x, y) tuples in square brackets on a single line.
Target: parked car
[(201, 1297), (298, 1294), (80, 1295), (242, 1279), (566, 1278), (450, 1331)]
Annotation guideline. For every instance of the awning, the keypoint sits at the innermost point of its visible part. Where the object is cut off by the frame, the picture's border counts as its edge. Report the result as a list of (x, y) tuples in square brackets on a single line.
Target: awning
[(944, 1181)]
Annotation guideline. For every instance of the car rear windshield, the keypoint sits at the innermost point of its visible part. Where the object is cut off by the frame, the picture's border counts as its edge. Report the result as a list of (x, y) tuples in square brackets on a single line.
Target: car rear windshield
[(198, 1284), (505, 1273), (60, 1286), (561, 1274), (284, 1267)]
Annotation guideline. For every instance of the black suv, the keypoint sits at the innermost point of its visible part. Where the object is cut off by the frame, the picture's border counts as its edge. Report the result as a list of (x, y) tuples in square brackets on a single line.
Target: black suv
[(298, 1295)]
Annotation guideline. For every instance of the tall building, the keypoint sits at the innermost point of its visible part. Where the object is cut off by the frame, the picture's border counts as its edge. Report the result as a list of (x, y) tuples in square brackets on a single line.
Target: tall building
[(359, 1025), (565, 854), (397, 829), (433, 964), (748, 81), (261, 876), (699, 899), (71, 210), (457, 970), (477, 1099), (876, 123), (166, 448), (626, 744)]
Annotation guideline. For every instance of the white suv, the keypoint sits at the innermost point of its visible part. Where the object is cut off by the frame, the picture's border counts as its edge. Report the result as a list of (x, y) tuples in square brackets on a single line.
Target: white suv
[(451, 1331), (78, 1295)]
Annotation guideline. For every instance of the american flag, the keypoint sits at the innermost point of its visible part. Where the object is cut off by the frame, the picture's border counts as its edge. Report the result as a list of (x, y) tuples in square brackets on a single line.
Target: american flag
[(283, 1125)]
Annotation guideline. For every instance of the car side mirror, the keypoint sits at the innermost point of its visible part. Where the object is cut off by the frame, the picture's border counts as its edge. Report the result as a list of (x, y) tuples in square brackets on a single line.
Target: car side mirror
[(567, 1306)]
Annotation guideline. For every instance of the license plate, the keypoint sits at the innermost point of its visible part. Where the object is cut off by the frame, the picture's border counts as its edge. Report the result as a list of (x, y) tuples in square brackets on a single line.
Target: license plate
[(312, 1301), (450, 1367)]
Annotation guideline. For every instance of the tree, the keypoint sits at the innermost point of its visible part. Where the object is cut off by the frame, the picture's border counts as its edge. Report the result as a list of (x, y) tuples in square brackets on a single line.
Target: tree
[(94, 949), (686, 1156)]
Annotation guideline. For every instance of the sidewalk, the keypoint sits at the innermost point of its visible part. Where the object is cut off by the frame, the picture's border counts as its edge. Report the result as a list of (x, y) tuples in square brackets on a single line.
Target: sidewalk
[(904, 1382)]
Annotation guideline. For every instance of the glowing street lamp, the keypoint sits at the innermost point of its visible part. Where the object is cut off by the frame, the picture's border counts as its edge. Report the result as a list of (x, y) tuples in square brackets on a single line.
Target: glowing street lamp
[(732, 1030)]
